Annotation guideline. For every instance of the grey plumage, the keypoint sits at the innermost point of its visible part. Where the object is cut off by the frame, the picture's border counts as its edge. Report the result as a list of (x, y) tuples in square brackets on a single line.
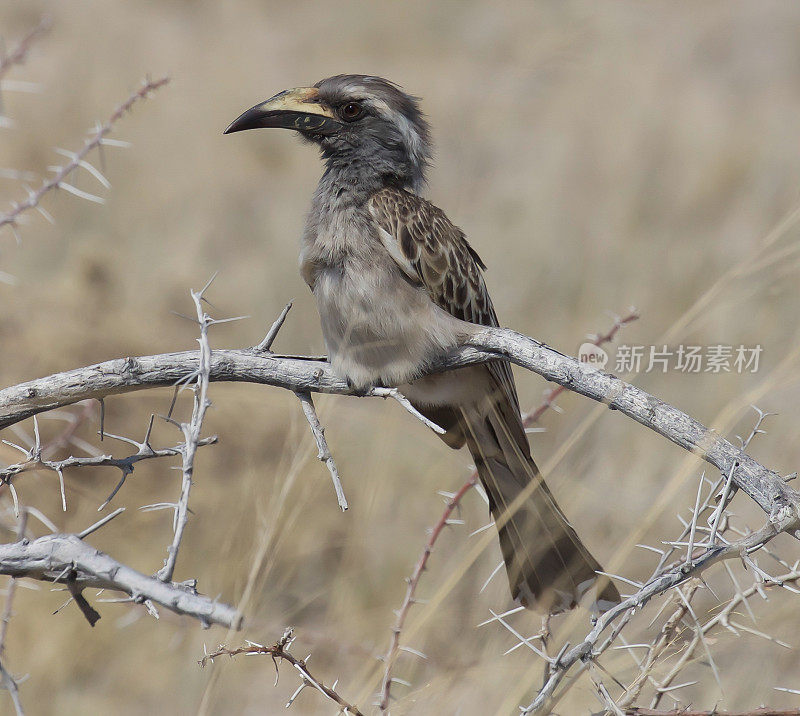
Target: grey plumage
[(396, 283)]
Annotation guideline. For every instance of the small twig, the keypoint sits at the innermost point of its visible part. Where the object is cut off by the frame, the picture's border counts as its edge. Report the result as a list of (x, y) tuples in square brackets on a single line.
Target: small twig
[(100, 523), (395, 394), (89, 612), (280, 651), (11, 686), (657, 648), (324, 453), (34, 460), (272, 333)]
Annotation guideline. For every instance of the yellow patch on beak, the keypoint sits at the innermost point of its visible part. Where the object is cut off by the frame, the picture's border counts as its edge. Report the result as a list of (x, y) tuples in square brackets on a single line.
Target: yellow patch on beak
[(298, 108)]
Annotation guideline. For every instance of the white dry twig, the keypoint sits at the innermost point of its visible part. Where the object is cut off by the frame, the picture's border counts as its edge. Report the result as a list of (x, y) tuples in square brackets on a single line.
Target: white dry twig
[(191, 432), (323, 451)]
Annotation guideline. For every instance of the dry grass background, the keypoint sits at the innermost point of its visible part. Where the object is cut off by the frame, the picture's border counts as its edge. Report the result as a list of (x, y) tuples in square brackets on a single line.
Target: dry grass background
[(597, 155)]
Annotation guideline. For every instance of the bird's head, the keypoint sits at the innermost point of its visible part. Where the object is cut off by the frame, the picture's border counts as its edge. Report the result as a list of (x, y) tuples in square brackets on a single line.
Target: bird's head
[(364, 123)]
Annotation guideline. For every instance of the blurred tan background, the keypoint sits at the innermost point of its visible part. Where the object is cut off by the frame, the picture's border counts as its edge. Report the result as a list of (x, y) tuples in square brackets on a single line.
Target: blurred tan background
[(597, 155)]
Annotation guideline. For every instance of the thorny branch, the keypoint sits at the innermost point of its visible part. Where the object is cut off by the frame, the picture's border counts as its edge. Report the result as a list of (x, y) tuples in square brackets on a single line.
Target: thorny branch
[(67, 559), (191, 432), (656, 649), (673, 577), (280, 652), (6, 678), (34, 460), (453, 501), (408, 600), (78, 159), (699, 556)]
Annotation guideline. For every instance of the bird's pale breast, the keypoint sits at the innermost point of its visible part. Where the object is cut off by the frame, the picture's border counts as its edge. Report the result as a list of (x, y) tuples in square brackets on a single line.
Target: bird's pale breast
[(379, 327)]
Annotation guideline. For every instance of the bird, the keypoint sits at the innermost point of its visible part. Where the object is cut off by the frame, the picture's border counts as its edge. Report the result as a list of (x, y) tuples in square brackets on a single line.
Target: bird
[(396, 286)]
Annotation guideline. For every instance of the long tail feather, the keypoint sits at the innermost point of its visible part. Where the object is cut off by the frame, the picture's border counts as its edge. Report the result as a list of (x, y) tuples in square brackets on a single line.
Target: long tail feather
[(548, 566)]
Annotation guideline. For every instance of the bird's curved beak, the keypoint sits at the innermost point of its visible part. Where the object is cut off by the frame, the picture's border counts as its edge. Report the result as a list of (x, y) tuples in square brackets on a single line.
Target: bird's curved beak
[(298, 108)]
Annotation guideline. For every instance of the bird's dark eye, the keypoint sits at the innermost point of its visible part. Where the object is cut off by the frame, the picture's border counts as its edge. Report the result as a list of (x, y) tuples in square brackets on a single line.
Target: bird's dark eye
[(351, 111)]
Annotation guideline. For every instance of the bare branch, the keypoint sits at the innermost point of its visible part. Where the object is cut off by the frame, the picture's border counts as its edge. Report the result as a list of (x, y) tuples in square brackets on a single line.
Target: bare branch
[(66, 558), (671, 577), (298, 374), (35, 461)]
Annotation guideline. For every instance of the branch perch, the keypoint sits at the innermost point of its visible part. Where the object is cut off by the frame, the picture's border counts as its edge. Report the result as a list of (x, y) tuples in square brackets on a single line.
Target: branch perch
[(298, 374), (304, 376)]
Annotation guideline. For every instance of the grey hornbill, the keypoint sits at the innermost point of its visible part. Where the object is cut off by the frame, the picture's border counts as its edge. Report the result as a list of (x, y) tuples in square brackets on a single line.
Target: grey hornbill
[(396, 285)]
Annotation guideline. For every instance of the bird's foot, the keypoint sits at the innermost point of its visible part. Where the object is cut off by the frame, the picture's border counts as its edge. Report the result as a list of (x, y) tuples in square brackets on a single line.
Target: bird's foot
[(362, 389)]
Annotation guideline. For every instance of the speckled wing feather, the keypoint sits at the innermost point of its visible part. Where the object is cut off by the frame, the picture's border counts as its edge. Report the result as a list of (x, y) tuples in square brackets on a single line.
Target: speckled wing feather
[(433, 252)]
